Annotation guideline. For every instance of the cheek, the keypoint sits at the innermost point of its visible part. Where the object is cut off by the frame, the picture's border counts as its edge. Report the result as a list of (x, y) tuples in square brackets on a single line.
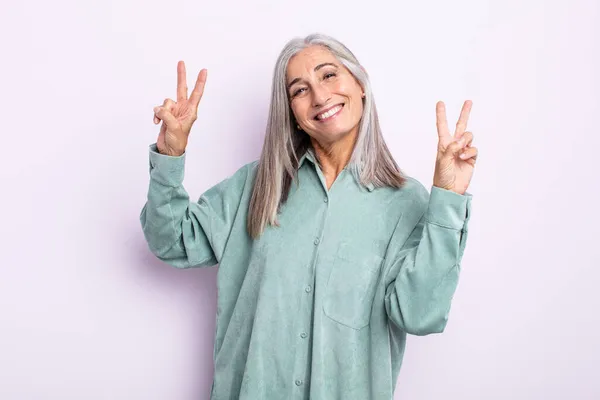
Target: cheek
[(299, 110), (344, 89), (352, 94), (356, 104), (347, 84)]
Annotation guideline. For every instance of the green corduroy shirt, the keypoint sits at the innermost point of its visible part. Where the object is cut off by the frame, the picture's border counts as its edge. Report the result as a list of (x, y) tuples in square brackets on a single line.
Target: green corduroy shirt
[(319, 307)]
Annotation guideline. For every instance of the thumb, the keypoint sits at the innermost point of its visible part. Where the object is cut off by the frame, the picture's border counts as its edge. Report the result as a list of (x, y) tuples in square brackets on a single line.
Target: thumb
[(166, 116)]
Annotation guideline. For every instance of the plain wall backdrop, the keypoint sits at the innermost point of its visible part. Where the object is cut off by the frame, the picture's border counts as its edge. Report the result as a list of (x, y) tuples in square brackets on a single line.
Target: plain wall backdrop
[(87, 312)]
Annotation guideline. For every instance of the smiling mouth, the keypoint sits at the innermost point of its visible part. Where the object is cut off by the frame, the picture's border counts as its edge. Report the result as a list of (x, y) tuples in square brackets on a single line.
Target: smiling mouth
[(332, 112)]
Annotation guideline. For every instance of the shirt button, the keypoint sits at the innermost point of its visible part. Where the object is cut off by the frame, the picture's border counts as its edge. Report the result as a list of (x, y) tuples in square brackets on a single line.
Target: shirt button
[(316, 241), (303, 335), (298, 382), (325, 199), (308, 289)]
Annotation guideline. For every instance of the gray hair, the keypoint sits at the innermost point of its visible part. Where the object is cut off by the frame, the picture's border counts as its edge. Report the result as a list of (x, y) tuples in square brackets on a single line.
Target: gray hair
[(371, 162)]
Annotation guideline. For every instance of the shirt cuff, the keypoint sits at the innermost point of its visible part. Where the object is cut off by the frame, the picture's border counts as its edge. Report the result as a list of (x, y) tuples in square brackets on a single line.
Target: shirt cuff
[(449, 209), (165, 169)]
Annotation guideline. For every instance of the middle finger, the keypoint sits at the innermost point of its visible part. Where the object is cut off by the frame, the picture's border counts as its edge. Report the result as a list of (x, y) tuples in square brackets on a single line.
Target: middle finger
[(181, 82), (461, 125)]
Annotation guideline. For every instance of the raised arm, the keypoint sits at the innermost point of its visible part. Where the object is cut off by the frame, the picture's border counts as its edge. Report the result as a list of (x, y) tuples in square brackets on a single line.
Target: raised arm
[(423, 273), (424, 270), (183, 233)]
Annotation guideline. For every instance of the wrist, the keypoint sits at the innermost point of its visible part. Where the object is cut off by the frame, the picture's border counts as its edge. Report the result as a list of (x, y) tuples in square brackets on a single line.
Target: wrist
[(171, 152), (451, 189)]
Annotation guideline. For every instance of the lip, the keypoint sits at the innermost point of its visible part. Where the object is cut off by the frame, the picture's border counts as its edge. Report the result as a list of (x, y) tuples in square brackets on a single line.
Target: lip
[(327, 109)]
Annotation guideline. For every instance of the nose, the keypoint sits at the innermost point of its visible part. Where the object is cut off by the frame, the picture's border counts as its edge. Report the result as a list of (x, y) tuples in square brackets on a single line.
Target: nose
[(321, 95)]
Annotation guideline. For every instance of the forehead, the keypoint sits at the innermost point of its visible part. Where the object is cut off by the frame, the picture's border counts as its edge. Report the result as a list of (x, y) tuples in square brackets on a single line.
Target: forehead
[(307, 59)]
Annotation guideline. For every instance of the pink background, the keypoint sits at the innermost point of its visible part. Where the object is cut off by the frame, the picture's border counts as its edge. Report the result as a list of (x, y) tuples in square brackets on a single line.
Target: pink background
[(86, 312)]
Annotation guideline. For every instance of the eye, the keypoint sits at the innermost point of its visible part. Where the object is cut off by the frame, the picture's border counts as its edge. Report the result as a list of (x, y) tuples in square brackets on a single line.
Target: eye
[(329, 75), (297, 92)]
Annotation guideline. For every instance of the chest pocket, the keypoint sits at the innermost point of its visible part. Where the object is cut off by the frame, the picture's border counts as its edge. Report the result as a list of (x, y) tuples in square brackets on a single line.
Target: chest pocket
[(352, 284)]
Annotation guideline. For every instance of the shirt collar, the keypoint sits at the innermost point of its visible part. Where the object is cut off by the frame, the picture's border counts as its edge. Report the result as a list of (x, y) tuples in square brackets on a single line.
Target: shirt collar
[(309, 155)]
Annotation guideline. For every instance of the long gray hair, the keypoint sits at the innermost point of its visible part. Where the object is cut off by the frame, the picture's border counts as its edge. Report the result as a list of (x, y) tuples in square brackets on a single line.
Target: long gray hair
[(370, 163)]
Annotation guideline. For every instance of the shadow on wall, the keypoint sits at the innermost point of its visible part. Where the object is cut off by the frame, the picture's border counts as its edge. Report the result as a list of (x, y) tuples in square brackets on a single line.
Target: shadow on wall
[(198, 285), (193, 293)]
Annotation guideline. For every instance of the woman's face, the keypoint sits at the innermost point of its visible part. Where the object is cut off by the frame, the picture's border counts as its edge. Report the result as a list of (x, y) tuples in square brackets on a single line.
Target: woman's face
[(325, 98)]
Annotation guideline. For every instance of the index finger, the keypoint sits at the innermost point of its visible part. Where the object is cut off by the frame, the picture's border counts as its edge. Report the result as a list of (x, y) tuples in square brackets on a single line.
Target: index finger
[(199, 88), (441, 122), (461, 125), (181, 82)]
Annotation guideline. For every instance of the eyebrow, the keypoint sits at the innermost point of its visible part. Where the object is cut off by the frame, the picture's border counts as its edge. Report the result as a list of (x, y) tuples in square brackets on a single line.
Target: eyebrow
[(318, 67)]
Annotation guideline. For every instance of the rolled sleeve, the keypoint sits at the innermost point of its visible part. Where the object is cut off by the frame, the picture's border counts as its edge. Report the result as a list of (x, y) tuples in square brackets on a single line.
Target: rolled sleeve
[(166, 170), (448, 209)]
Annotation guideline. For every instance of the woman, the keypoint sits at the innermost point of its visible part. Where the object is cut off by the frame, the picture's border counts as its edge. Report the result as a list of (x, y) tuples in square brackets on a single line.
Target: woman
[(328, 255)]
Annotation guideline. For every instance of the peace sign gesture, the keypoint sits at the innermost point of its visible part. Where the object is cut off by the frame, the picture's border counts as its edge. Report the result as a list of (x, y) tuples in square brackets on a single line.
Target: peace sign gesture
[(178, 116), (456, 158)]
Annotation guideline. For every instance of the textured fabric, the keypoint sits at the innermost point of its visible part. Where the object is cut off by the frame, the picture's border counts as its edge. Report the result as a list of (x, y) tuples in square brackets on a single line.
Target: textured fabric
[(320, 306)]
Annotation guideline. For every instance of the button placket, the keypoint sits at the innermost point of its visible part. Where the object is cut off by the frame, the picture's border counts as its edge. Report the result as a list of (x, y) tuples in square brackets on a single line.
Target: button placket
[(304, 325)]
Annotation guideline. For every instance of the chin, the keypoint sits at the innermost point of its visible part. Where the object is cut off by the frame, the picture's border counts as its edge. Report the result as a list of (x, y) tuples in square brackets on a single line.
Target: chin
[(335, 134)]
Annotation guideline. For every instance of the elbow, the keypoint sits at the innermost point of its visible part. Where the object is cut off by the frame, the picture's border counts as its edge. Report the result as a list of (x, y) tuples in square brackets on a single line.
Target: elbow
[(418, 320), (171, 254), (422, 309), (163, 254), (177, 255), (179, 262), (429, 325)]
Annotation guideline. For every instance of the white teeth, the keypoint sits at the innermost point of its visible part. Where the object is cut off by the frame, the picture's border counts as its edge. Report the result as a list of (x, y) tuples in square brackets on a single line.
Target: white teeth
[(329, 113)]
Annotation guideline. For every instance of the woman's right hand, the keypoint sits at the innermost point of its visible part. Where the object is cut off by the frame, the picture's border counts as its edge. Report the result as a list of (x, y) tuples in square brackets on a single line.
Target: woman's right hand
[(178, 117)]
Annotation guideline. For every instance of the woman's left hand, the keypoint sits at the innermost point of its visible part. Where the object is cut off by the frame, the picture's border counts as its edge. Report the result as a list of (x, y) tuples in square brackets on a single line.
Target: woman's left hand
[(456, 158)]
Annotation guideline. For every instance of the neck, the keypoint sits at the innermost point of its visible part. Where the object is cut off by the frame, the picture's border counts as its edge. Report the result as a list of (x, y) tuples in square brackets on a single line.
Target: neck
[(334, 156)]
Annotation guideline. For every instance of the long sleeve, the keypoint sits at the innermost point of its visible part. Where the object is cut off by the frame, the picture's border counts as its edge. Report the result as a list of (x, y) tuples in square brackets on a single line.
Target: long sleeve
[(424, 272), (183, 233)]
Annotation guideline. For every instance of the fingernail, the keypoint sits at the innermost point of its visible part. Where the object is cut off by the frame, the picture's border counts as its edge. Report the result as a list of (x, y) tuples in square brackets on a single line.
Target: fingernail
[(463, 156)]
